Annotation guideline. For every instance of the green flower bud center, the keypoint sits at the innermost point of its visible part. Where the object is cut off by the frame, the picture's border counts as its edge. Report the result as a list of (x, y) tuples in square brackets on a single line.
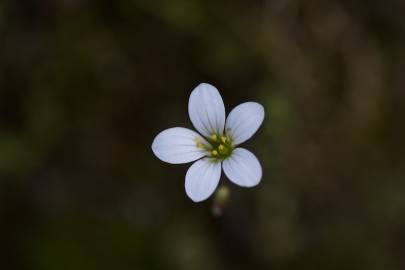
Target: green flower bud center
[(219, 148)]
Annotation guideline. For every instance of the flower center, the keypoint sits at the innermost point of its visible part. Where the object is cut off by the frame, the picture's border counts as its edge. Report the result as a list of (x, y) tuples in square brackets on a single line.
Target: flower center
[(219, 148)]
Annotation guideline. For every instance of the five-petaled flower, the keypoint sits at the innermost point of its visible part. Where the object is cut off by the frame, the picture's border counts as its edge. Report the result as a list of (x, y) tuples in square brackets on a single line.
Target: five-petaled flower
[(218, 145)]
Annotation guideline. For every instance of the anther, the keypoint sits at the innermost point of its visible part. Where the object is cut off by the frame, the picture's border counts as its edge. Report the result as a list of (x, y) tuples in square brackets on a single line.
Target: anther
[(221, 149), (214, 137), (224, 139), (200, 145), (214, 152)]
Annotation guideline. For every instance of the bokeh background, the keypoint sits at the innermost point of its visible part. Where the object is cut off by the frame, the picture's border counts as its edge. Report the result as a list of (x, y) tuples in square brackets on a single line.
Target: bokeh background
[(86, 85)]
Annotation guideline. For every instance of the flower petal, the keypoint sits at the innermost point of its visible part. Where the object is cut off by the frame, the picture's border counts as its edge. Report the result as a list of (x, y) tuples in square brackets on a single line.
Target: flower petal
[(243, 168), (207, 110), (178, 145), (243, 121), (202, 179)]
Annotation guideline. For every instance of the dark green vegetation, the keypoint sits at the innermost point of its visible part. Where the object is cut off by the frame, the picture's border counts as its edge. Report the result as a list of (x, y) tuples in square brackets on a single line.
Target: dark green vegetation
[(85, 86)]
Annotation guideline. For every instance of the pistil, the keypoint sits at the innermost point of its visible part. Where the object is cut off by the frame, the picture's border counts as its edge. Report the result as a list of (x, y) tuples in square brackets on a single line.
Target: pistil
[(221, 146)]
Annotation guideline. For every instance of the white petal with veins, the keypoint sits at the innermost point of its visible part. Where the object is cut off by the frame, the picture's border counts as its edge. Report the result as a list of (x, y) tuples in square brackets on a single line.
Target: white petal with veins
[(243, 121), (178, 145), (202, 179), (243, 168), (207, 110)]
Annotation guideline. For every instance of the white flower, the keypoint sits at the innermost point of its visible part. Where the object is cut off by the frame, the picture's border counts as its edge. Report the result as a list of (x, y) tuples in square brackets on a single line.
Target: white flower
[(217, 147)]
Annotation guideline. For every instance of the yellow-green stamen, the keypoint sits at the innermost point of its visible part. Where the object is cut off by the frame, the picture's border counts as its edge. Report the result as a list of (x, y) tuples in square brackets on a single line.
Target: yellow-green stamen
[(217, 147), (221, 146), (199, 143), (214, 137)]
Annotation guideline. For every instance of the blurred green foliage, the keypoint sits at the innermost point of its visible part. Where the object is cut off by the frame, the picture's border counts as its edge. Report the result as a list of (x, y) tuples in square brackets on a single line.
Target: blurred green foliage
[(86, 85)]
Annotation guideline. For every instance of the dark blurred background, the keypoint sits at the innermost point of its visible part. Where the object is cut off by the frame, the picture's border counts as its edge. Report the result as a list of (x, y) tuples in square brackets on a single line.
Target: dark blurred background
[(86, 85)]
